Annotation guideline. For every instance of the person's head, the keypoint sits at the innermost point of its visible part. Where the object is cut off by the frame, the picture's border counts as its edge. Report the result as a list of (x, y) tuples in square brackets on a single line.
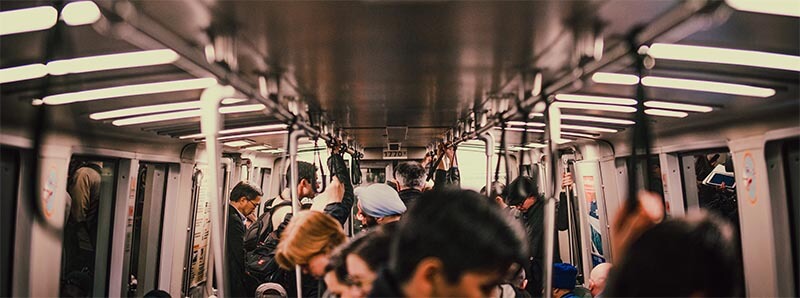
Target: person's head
[(522, 193), (496, 193), (455, 243), (308, 241), (378, 203), (367, 257), (245, 197), (597, 278), (409, 175), (157, 294), (563, 278), (336, 277), (306, 179), (680, 257)]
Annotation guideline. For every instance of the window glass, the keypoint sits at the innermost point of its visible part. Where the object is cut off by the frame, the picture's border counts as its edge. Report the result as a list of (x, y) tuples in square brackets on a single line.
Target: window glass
[(9, 174)]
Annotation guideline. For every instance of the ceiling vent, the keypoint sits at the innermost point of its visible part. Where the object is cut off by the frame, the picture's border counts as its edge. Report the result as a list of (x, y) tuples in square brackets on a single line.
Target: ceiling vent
[(396, 134)]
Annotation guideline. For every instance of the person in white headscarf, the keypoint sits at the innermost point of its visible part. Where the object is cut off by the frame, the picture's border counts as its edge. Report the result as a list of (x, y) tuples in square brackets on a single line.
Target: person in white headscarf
[(378, 204)]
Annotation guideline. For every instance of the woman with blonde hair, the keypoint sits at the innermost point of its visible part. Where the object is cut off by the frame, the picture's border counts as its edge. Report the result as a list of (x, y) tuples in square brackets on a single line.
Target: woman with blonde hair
[(308, 241)]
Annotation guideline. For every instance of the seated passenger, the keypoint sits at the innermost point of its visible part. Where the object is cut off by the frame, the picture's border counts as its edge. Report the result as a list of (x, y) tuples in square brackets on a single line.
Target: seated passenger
[(597, 279), (410, 178), (378, 204), (680, 257), (451, 243), (497, 193), (564, 280), (367, 257)]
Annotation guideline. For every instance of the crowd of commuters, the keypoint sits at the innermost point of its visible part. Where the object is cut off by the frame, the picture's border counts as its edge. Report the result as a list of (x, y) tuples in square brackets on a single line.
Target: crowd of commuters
[(451, 242)]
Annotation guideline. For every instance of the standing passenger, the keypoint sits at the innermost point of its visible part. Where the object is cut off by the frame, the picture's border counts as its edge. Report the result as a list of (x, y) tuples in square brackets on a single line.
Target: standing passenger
[(410, 178), (245, 198), (378, 204), (452, 243), (80, 231)]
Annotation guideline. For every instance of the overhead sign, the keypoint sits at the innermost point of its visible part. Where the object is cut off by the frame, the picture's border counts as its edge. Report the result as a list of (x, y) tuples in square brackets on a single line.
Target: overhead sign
[(395, 154)]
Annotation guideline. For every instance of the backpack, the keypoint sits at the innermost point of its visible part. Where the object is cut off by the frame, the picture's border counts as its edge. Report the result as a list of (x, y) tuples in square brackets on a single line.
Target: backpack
[(257, 233)]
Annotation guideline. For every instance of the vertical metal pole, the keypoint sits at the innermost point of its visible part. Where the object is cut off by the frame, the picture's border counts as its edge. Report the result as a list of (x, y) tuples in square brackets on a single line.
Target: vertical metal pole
[(293, 137), (210, 122), (553, 129), (488, 139)]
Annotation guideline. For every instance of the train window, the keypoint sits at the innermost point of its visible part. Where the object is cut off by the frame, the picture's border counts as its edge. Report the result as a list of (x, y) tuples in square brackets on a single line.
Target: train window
[(9, 172), (143, 251), (718, 198), (791, 163), (472, 166), (87, 231)]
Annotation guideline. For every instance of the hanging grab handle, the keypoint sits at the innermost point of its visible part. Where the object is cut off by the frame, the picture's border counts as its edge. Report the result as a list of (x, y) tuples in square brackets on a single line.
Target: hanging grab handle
[(318, 160)]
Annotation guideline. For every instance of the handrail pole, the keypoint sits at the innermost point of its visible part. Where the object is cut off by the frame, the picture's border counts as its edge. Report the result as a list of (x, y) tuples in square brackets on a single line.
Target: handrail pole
[(293, 138)]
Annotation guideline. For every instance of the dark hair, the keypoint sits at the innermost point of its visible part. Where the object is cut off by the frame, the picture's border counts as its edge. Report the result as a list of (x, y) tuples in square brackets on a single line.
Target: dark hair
[(304, 171), (337, 259), (157, 294), (375, 250), (411, 172), (520, 189), (245, 189), (462, 229), (680, 257)]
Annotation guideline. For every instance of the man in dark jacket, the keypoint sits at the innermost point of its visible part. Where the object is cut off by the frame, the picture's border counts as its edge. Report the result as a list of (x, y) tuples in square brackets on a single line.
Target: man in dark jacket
[(466, 251), (245, 198), (410, 178), (523, 193)]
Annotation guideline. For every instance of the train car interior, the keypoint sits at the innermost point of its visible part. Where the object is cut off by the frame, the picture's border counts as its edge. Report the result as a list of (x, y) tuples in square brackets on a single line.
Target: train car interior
[(162, 107)]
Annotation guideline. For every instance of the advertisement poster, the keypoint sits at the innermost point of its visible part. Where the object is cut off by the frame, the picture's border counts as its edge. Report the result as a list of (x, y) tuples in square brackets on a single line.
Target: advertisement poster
[(202, 233), (590, 193)]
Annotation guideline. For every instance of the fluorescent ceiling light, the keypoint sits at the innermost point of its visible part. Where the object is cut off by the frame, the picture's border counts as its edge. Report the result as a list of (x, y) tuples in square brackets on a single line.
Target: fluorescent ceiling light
[(615, 78), (129, 90), (707, 86), (597, 119), (778, 7), (80, 13), (596, 99), (228, 101), (535, 114), (189, 105), (520, 129), (274, 151), (536, 145), (157, 118), (239, 130), (596, 107), (577, 134), (666, 113), (726, 56), (529, 124), (27, 20), (112, 61), (20, 73), (257, 134), (677, 106), (589, 128), (518, 148), (242, 108), (237, 143)]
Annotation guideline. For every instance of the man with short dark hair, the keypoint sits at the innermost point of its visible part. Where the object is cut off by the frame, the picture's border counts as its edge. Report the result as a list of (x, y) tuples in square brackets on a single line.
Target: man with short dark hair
[(410, 178), (451, 243), (245, 198), (306, 188)]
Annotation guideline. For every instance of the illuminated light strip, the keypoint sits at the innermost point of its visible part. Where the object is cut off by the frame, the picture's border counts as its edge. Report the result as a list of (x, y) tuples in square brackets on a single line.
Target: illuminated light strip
[(725, 56), (520, 129), (157, 118), (678, 106), (707, 86), (253, 135), (242, 108), (21, 73), (778, 7), (228, 101), (80, 13), (589, 128), (27, 20), (112, 61), (596, 99), (666, 113), (596, 107), (130, 90), (615, 78), (597, 119), (577, 134), (238, 130), (237, 143), (529, 124), (145, 110)]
